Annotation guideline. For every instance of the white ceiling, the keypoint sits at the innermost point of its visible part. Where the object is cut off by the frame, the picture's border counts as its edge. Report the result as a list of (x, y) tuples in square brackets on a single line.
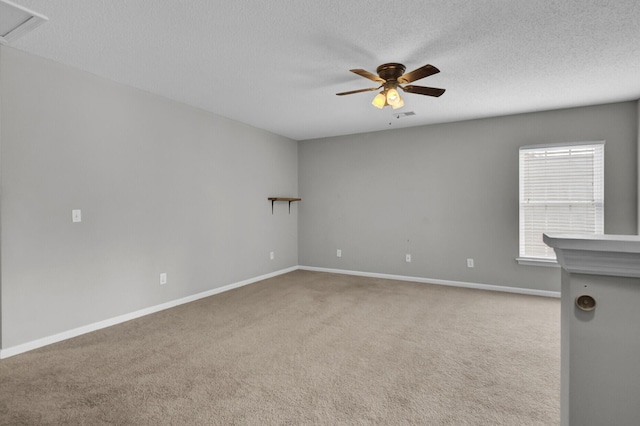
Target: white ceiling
[(277, 64)]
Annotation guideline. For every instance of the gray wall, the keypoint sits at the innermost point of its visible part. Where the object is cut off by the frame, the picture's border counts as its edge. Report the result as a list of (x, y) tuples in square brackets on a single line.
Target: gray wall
[(448, 192), (162, 187), (1, 316)]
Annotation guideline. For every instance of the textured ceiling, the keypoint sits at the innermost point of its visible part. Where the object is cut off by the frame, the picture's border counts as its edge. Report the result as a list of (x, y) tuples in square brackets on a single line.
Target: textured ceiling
[(277, 64)]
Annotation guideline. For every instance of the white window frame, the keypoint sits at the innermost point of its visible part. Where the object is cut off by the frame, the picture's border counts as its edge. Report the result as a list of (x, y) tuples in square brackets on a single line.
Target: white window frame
[(527, 173)]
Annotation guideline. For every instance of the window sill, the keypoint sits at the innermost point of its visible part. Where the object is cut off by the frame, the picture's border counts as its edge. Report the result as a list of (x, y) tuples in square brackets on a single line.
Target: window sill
[(534, 261)]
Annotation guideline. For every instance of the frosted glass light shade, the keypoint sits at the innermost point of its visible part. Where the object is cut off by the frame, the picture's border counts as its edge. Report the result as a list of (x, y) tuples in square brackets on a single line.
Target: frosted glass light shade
[(399, 104), (379, 101), (393, 97)]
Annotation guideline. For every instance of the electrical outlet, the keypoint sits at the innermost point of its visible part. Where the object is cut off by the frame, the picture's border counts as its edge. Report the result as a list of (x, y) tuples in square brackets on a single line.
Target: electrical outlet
[(469, 263), (163, 278), (339, 253), (272, 255), (407, 258)]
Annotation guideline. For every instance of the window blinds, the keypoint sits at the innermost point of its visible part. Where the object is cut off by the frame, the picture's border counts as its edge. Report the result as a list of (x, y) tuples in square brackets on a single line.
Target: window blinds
[(561, 191)]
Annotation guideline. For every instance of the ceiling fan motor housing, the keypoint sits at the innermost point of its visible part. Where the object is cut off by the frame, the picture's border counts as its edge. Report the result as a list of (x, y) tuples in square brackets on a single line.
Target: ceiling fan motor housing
[(390, 71)]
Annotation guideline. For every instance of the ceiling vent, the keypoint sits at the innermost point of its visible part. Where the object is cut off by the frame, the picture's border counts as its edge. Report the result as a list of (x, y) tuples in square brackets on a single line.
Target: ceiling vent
[(16, 21), (404, 114)]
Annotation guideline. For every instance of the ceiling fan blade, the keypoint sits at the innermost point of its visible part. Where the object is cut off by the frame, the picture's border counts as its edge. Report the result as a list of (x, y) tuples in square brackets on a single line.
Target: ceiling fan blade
[(358, 91), (417, 74), (421, 90), (367, 74)]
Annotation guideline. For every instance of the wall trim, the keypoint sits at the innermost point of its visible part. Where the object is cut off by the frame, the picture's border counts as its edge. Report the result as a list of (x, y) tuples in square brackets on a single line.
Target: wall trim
[(518, 290), (35, 344)]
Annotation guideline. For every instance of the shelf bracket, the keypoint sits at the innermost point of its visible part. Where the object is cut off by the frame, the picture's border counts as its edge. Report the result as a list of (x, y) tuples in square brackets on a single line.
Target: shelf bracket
[(290, 200)]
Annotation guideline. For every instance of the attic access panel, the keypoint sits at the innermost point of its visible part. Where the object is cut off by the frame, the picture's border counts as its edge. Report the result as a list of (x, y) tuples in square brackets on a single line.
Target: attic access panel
[(16, 21)]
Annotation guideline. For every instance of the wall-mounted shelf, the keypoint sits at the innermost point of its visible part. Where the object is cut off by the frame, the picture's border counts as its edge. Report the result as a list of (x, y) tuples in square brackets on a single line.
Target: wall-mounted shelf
[(290, 200)]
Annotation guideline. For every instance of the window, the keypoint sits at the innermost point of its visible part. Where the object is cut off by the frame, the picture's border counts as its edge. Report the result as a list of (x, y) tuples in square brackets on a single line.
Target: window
[(561, 191)]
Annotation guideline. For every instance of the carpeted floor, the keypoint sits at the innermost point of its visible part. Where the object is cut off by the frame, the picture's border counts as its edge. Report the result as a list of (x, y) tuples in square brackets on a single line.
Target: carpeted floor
[(304, 348)]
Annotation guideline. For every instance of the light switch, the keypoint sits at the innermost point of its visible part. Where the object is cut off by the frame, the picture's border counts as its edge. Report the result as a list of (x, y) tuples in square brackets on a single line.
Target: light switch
[(76, 215)]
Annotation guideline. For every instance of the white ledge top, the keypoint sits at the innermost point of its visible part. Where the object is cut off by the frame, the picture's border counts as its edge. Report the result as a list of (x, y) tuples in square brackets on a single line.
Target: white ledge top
[(591, 242), (617, 255)]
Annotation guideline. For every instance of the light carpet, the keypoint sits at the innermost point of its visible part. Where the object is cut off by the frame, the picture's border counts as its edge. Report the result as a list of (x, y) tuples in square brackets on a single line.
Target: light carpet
[(304, 348)]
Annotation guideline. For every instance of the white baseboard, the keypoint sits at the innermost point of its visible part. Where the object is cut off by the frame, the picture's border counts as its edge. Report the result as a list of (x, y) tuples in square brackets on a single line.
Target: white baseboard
[(35, 344), (528, 291)]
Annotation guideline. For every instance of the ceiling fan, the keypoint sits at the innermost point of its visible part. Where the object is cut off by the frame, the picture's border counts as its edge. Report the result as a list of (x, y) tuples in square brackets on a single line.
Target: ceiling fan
[(390, 76)]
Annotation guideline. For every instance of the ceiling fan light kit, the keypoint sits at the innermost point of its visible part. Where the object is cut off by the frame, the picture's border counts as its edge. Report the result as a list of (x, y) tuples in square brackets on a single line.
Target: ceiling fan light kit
[(379, 101), (390, 76), (393, 97)]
